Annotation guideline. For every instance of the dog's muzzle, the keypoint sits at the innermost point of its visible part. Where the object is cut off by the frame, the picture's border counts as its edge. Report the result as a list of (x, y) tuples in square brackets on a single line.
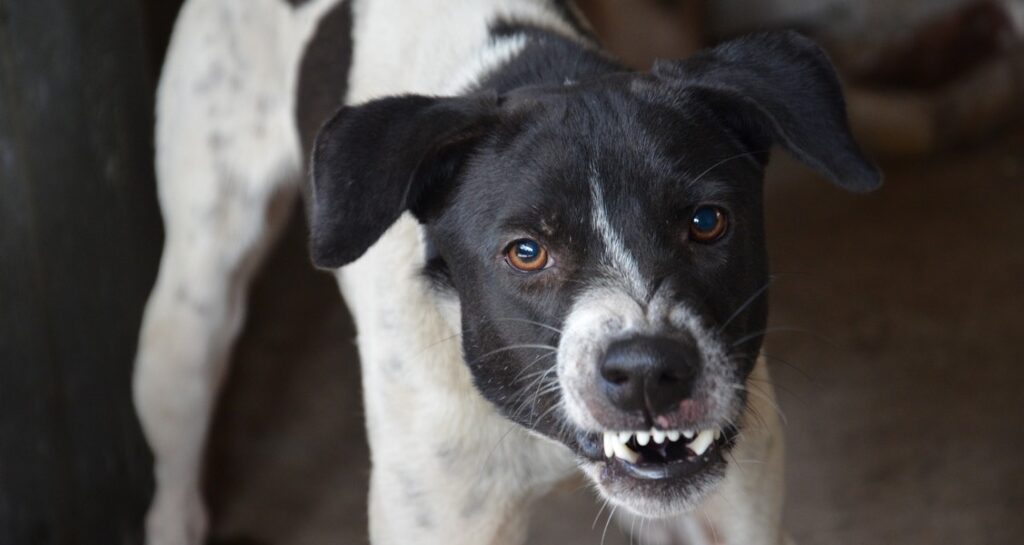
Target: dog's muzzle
[(654, 399), (653, 379)]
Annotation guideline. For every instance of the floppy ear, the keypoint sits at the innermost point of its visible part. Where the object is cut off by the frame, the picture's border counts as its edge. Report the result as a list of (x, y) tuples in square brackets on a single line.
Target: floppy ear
[(373, 162), (781, 87)]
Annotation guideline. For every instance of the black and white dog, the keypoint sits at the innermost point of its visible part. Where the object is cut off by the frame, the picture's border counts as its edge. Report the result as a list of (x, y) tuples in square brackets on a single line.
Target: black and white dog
[(553, 263)]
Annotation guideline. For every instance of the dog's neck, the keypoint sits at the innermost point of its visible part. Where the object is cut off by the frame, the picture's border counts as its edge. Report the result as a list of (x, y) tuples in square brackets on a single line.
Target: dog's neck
[(543, 57)]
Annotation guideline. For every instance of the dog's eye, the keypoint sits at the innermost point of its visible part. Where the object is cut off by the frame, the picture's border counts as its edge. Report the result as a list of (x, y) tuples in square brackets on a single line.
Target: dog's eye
[(527, 255), (708, 224)]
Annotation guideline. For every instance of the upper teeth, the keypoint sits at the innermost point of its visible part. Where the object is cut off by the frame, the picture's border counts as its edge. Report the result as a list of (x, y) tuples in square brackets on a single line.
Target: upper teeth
[(615, 441)]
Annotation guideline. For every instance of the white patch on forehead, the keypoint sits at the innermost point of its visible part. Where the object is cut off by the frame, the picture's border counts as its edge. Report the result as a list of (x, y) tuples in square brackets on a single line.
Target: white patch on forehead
[(622, 261)]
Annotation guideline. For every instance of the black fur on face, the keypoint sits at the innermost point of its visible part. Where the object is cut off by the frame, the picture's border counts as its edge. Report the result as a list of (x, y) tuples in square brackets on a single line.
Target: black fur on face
[(604, 172), (654, 161)]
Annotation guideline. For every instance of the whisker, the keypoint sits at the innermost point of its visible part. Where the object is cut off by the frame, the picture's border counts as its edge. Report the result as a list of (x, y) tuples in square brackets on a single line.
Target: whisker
[(535, 362), (775, 384), (525, 321), (793, 366), (746, 304), (738, 466), (606, 524), (604, 504), (487, 459), (540, 385), (761, 423), (724, 161), (545, 413), (515, 347), (768, 330), (771, 402), (530, 377), (711, 526), (536, 399), (439, 342), (524, 402)]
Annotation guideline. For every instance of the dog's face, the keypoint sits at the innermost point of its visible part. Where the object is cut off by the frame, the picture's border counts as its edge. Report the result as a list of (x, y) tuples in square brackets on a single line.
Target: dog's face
[(607, 248), (605, 241)]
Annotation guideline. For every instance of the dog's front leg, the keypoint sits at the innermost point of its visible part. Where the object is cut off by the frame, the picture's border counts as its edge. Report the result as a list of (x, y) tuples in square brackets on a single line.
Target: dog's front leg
[(454, 491), (447, 469)]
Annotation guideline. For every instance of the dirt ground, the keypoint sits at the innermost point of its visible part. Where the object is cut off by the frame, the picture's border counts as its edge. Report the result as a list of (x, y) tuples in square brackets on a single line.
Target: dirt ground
[(903, 389)]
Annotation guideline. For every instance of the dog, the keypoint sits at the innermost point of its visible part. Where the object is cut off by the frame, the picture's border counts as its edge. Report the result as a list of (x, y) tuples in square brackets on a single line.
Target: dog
[(555, 264)]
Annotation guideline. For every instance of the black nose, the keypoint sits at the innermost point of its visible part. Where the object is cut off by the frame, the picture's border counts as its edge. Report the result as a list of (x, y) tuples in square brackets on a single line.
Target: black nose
[(649, 372)]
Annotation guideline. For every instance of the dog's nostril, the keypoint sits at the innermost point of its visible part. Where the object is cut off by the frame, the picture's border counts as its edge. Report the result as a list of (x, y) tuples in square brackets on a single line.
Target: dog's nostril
[(675, 374), (669, 378), (616, 377)]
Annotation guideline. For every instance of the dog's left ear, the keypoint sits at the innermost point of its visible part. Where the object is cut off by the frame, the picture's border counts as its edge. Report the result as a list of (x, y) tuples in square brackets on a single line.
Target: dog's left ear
[(780, 87), (373, 162)]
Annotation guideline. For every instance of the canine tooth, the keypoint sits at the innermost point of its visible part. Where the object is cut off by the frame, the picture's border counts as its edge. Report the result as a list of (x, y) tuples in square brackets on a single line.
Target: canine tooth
[(642, 438), (718, 434), (672, 435), (624, 436), (688, 434), (702, 442), (626, 453), (658, 436), (609, 444)]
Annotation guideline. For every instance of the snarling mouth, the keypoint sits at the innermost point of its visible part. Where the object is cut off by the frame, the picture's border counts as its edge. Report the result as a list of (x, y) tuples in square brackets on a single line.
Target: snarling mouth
[(663, 454)]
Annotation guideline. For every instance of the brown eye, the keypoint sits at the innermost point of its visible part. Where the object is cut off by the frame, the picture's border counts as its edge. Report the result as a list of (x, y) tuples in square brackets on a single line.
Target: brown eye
[(708, 224), (526, 255)]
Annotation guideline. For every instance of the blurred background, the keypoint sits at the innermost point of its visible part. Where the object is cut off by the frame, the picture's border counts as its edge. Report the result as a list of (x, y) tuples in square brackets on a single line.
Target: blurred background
[(898, 348)]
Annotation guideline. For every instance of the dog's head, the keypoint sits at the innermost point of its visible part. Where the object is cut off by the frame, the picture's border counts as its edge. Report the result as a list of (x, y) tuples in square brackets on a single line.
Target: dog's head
[(604, 239)]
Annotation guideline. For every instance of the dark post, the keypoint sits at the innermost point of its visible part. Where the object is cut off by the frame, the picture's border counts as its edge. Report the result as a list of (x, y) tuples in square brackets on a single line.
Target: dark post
[(79, 244)]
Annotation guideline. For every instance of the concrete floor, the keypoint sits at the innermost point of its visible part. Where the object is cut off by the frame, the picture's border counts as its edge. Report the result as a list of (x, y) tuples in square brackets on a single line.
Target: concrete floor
[(904, 395)]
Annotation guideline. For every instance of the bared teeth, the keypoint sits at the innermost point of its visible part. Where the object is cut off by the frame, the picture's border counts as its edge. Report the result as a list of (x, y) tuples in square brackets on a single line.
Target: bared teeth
[(626, 453), (701, 443), (616, 444)]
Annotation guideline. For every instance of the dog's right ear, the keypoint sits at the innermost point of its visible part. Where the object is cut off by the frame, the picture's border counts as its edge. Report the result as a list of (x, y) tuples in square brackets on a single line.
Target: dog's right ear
[(780, 87), (373, 162)]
